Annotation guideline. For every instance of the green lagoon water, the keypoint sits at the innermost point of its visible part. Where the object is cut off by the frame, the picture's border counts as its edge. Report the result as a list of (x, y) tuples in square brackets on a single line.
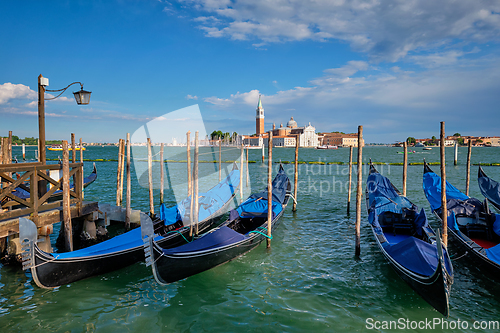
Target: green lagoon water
[(309, 281)]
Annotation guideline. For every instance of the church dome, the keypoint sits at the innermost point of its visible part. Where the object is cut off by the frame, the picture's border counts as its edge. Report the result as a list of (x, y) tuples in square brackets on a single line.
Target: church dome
[(291, 123)]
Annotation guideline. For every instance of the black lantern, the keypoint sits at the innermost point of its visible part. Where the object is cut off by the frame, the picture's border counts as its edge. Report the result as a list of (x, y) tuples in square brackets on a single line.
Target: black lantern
[(82, 96)]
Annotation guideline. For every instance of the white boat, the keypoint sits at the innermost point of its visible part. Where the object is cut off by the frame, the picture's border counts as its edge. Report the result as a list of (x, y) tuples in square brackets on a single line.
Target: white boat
[(327, 147)]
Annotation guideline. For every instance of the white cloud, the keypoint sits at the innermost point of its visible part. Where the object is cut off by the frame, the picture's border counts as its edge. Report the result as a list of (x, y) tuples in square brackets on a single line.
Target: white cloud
[(218, 101), (386, 30), (191, 97), (437, 59), (386, 100), (9, 91)]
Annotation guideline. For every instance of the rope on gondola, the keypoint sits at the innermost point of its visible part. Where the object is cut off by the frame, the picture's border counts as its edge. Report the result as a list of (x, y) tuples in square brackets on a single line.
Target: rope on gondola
[(263, 234), (291, 195), (46, 262), (463, 255), (180, 233)]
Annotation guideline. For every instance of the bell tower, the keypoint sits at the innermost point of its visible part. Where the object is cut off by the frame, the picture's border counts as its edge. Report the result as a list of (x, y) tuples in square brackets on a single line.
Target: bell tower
[(259, 119)]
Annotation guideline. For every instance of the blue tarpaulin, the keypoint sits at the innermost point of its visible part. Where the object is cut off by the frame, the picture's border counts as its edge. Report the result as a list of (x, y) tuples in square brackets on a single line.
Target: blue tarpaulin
[(432, 190), (414, 254), (220, 237), (489, 188), (256, 204), (493, 253), (256, 207), (410, 252), (209, 202), (383, 197), (128, 240), (132, 238)]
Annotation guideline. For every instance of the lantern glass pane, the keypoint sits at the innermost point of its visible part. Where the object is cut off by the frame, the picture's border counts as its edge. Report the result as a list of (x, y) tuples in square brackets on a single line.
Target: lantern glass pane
[(82, 97)]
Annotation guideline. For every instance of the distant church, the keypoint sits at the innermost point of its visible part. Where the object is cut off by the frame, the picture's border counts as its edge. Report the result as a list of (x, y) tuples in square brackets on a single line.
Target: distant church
[(282, 136), (259, 119)]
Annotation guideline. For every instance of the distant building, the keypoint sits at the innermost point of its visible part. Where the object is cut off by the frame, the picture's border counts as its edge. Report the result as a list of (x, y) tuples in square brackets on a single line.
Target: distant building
[(259, 119), (282, 136), (339, 139), (495, 141)]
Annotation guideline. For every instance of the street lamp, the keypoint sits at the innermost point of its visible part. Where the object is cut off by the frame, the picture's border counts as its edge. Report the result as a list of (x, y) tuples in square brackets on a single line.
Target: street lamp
[(82, 97)]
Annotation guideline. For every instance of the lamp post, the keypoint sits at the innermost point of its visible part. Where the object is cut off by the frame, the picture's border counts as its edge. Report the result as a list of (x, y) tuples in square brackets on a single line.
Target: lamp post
[(82, 97)]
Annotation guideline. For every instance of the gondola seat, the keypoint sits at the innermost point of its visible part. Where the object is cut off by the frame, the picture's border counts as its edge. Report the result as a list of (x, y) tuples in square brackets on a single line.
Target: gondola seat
[(478, 230)]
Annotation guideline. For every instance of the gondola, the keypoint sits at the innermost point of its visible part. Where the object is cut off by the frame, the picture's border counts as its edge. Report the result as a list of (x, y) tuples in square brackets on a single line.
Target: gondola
[(245, 229), (470, 222), (489, 188), (55, 269), (408, 243)]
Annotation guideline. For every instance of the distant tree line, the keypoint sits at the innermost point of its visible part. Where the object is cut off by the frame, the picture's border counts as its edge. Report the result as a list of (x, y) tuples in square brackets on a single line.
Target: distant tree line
[(32, 141), (434, 141), (224, 136)]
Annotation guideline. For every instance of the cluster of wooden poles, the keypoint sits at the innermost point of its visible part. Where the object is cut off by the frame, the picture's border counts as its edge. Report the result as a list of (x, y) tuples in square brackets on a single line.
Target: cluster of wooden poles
[(192, 178), (6, 151), (359, 192)]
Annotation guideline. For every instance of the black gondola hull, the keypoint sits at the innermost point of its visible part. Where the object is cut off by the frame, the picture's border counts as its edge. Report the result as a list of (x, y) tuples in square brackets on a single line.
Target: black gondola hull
[(50, 273), (171, 268), (474, 252), (434, 289)]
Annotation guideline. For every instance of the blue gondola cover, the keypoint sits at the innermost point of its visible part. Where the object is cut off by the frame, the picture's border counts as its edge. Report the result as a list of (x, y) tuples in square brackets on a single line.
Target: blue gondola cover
[(218, 238), (210, 202), (489, 188), (416, 255), (432, 190)]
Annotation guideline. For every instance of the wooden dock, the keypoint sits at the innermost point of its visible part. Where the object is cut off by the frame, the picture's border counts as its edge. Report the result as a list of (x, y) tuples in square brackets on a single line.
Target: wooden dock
[(41, 193), (10, 227)]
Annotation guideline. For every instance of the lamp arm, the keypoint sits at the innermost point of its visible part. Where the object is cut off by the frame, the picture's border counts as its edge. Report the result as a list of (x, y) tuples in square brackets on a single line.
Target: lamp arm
[(62, 90)]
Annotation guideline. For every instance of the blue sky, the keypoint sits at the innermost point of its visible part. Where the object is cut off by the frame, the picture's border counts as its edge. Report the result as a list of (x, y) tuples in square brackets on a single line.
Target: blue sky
[(396, 67)]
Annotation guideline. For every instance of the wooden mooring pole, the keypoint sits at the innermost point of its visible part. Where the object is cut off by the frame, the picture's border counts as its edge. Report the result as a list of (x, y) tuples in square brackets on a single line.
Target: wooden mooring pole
[(81, 151), (118, 173), (195, 179), (73, 148), (467, 179), (296, 174), (128, 211), (81, 161), (122, 170), (241, 173), (24, 152), (220, 158), (269, 188), (262, 151), (350, 181), (455, 161), (9, 147), (359, 192), (405, 166), (246, 166), (190, 184), (444, 213), (150, 179), (188, 157), (73, 154), (162, 177), (68, 229)]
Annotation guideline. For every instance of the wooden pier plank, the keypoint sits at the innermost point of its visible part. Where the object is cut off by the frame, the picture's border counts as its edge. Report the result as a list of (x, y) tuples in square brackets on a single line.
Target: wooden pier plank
[(11, 226)]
